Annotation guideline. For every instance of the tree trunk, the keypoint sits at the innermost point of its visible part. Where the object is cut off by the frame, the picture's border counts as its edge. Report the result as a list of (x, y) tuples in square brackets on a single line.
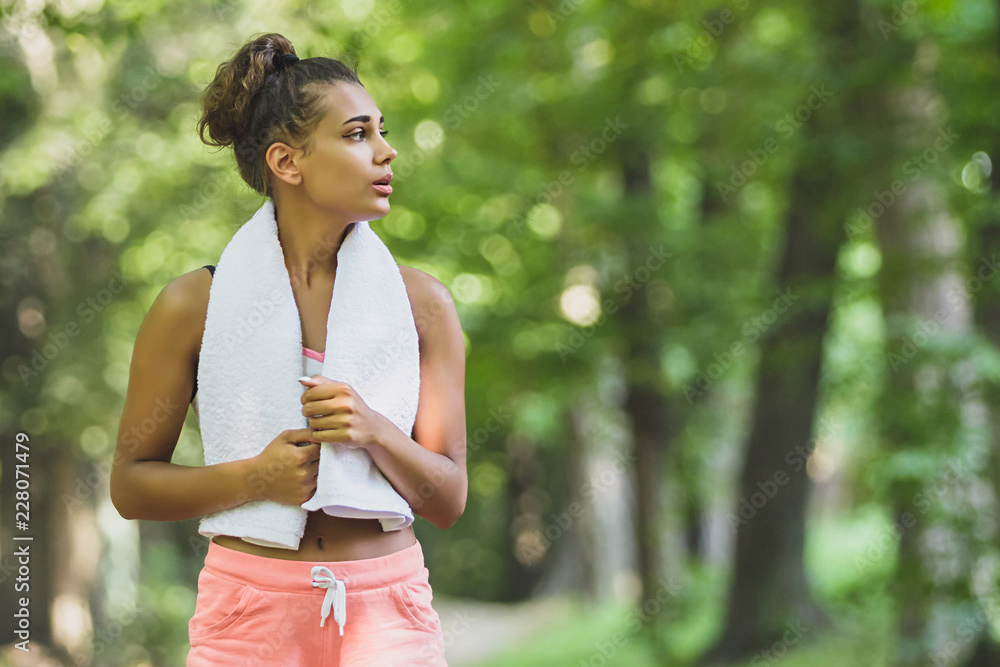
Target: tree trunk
[(931, 409), (769, 587), (645, 402), (593, 549), (907, 292), (521, 565), (769, 592), (986, 651), (569, 529)]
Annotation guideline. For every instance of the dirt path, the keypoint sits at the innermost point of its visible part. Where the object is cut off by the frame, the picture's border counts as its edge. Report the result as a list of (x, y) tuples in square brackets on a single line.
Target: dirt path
[(477, 631)]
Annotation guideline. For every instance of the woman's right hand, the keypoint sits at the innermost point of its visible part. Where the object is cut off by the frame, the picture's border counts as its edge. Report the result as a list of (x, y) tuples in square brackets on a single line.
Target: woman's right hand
[(285, 471)]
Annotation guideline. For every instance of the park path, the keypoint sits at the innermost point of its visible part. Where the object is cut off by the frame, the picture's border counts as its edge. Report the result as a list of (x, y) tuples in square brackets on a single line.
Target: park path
[(477, 631)]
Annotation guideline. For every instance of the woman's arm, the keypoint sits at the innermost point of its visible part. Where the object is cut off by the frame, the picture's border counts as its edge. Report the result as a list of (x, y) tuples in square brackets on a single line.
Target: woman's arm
[(144, 484)]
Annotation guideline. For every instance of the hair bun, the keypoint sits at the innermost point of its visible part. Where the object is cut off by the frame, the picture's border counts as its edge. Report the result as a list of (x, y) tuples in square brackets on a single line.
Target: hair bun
[(226, 102), (285, 59)]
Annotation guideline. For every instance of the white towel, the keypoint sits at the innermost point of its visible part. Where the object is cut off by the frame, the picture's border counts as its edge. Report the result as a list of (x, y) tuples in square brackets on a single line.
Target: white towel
[(251, 359)]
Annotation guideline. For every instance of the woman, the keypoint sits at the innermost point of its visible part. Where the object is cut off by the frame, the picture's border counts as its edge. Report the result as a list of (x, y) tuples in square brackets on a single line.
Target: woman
[(307, 134)]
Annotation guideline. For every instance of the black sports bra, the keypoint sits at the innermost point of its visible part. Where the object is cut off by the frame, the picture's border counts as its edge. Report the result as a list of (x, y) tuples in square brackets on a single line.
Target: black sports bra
[(211, 269)]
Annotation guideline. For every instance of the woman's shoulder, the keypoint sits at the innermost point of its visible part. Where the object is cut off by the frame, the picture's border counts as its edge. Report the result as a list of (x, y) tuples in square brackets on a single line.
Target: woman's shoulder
[(187, 294), (181, 307), (429, 298), (414, 277), (422, 287)]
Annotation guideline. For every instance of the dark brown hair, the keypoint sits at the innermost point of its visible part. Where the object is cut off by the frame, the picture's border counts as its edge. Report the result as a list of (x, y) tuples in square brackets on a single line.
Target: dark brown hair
[(253, 102)]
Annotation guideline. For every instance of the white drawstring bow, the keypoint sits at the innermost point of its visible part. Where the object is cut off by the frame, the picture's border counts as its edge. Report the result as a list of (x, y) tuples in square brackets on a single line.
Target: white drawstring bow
[(336, 595)]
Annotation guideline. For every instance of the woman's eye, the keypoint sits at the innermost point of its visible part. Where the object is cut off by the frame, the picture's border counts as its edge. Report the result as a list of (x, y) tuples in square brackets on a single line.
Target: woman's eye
[(361, 133)]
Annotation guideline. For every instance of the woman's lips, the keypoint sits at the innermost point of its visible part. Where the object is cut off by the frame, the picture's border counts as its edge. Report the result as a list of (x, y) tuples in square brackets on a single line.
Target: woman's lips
[(383, 189)]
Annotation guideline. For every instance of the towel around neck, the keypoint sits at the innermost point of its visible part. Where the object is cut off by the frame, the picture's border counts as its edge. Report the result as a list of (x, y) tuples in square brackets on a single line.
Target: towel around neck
[(251, 359)]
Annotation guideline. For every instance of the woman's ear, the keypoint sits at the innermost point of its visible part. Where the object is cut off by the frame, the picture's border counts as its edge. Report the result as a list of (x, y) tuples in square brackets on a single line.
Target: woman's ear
[(281, 160)]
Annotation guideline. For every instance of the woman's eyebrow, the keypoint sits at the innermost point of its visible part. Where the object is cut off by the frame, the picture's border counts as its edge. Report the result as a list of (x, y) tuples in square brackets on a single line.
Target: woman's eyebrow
[(363, 119)]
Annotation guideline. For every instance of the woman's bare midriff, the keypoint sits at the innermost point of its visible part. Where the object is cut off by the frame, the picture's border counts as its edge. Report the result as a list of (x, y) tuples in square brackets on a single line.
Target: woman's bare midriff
[(332, 538)]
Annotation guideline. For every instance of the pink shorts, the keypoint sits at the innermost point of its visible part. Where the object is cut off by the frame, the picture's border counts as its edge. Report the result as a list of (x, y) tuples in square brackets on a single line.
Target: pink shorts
[(253, 610)]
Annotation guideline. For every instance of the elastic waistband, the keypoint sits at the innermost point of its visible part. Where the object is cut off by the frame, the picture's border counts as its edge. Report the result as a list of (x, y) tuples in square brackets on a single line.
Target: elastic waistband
[(278, 574)]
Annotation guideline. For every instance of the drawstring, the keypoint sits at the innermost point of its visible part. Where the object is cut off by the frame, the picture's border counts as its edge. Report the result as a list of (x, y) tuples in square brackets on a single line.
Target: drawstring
[(323, 578)]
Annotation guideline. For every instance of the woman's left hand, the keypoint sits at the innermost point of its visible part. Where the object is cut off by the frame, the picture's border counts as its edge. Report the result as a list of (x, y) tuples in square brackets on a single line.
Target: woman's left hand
[(337, 413)]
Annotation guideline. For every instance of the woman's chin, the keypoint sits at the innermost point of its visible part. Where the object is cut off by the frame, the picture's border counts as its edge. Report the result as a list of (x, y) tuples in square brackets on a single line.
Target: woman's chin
[(376, 216)]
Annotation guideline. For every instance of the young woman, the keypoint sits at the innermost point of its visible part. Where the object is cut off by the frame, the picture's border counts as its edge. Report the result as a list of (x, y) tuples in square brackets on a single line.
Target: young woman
[(307, 134)]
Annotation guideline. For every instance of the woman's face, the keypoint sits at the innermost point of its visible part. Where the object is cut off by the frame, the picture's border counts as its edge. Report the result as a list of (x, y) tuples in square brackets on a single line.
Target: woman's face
[(348, 154)]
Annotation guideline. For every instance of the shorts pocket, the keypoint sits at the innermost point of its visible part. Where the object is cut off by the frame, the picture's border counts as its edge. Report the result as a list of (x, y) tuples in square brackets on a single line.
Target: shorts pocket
[(415, 597), (220, 605)]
